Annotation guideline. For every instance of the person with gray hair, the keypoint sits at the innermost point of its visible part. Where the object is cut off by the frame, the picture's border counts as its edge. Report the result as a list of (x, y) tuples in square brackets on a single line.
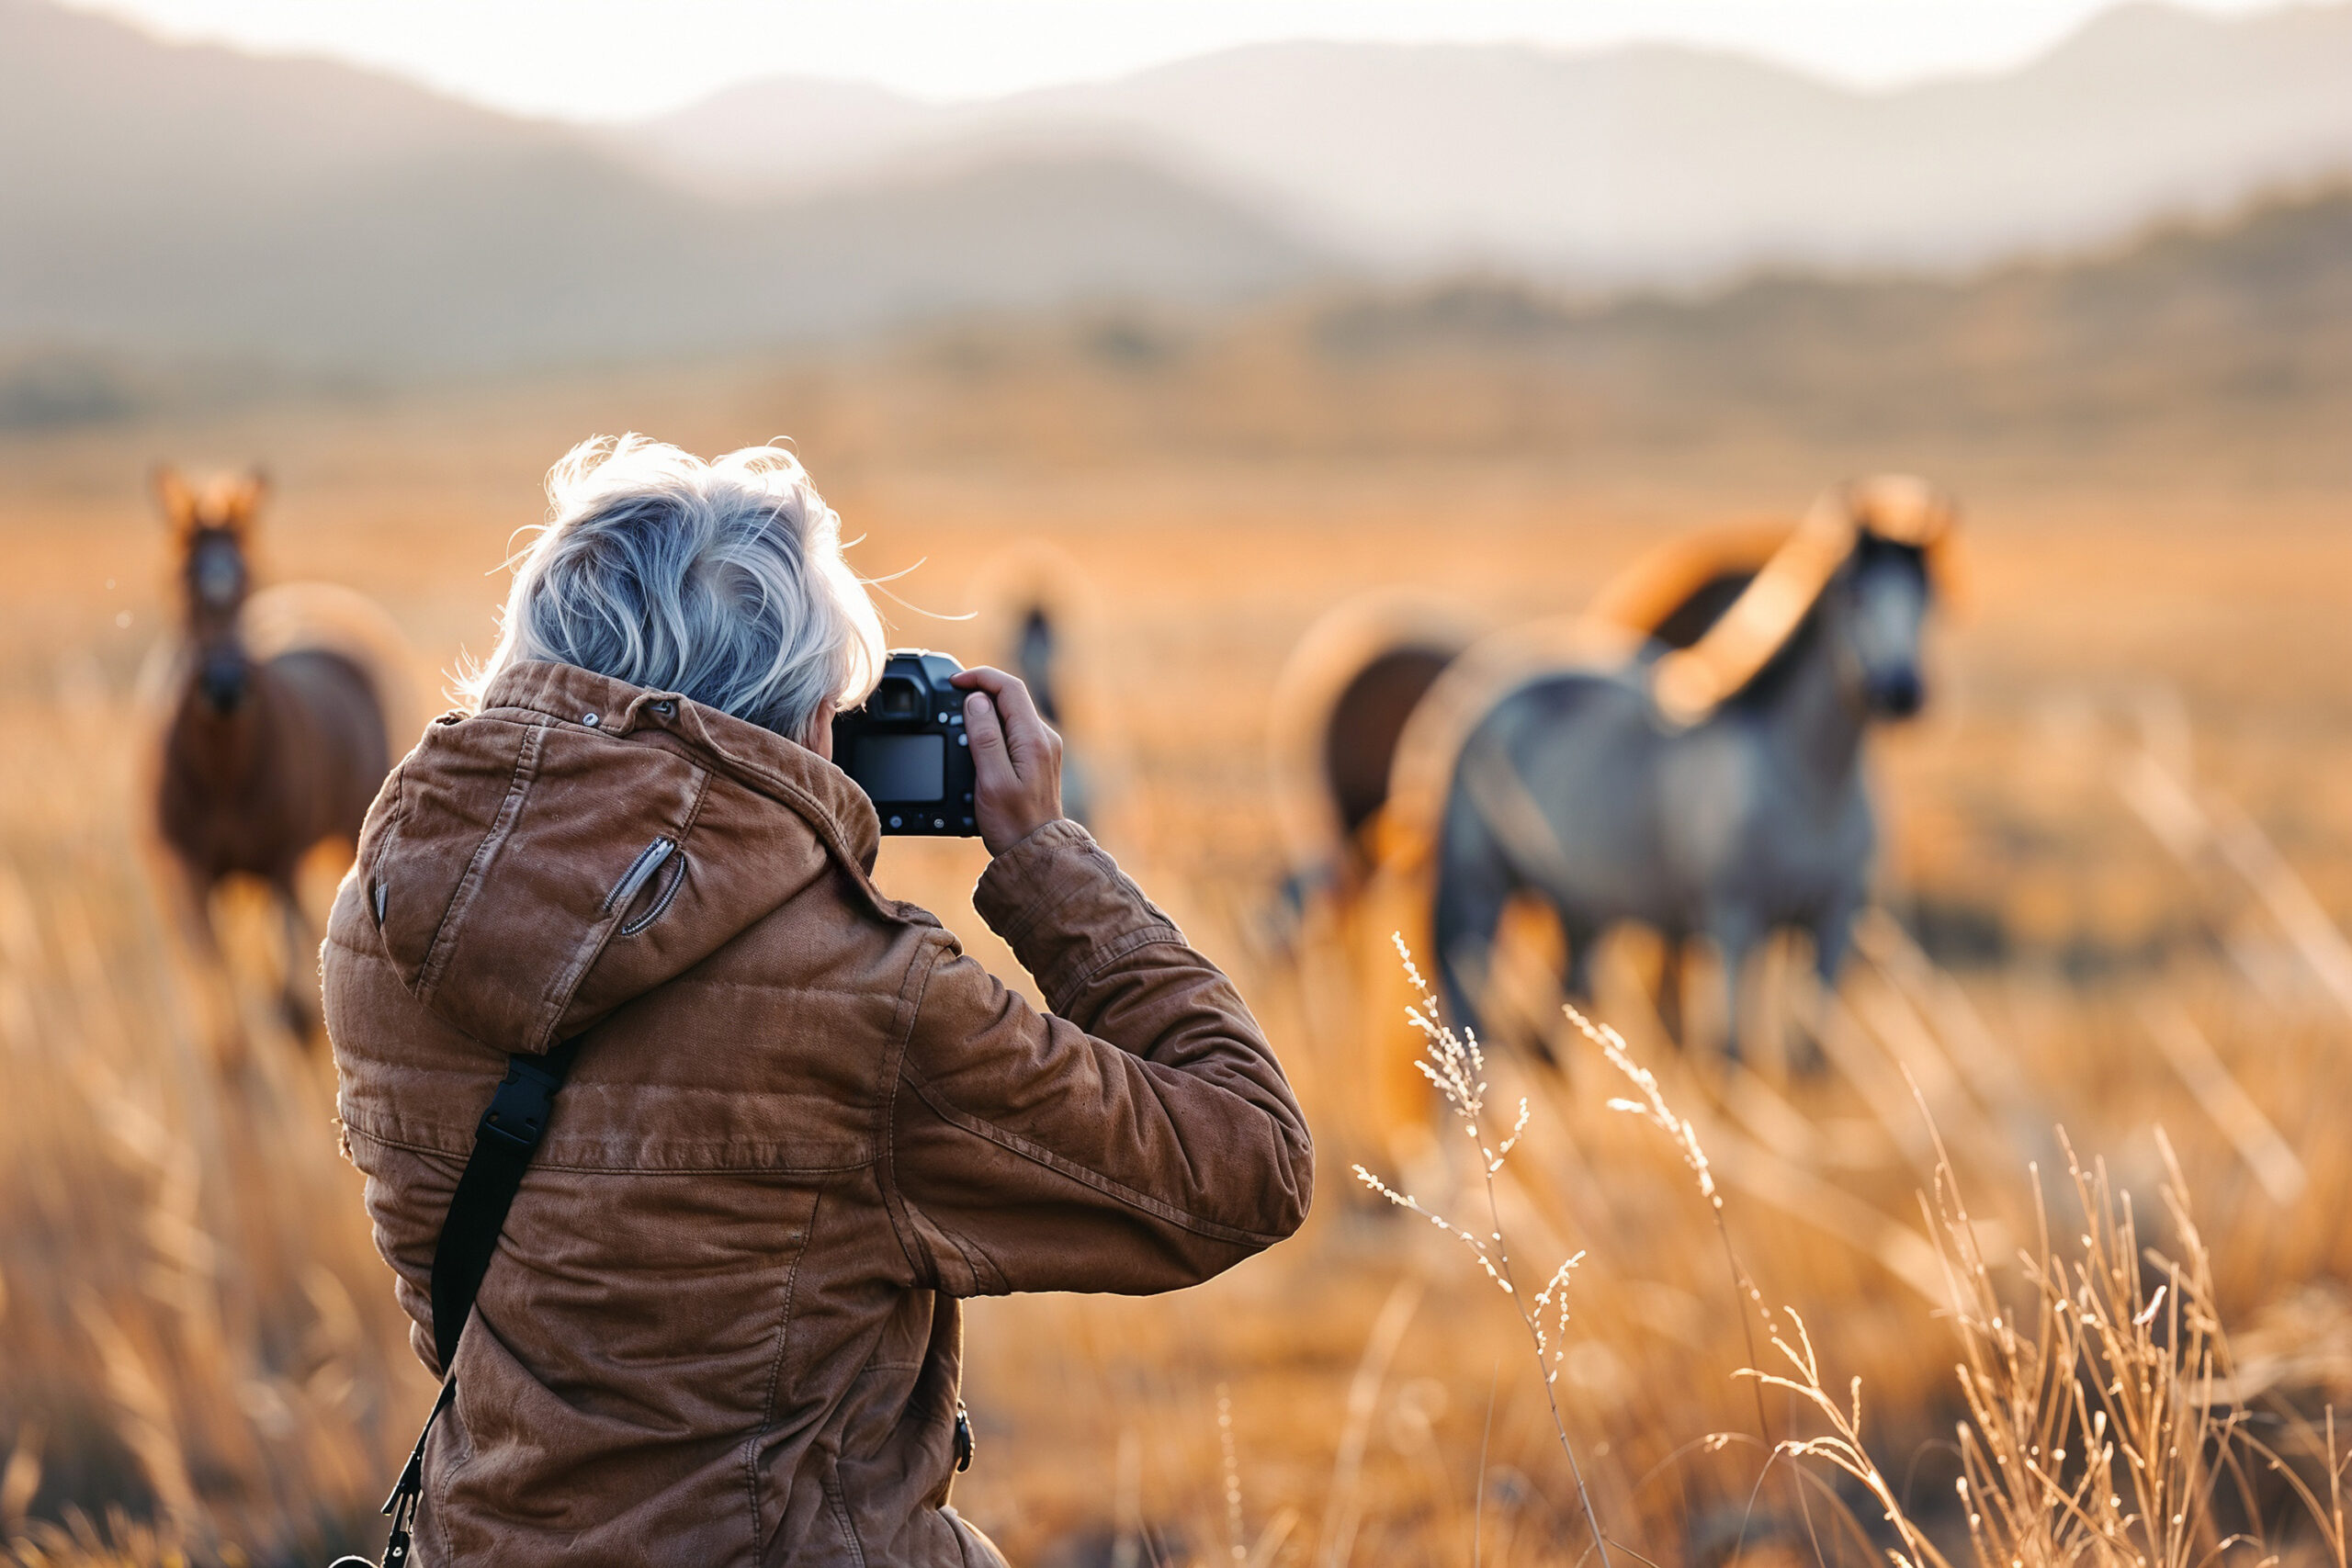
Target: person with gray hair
[(722, 580), (720, 1322)]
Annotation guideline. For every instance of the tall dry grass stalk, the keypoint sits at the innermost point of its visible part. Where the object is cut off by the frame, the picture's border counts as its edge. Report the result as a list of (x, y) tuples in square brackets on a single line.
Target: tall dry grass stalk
[(1456, 1066), (2102, 1424)]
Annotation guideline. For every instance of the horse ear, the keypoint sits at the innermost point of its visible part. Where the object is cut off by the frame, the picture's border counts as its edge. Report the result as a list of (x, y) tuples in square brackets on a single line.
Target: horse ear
[(172, 493), (244, 498)]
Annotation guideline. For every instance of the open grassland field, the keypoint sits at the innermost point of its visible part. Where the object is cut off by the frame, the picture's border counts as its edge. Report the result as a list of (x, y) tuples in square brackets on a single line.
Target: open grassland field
[(2119, 850)]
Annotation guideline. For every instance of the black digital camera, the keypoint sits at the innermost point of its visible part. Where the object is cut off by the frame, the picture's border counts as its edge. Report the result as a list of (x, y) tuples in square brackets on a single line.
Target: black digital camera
[(907, 748)]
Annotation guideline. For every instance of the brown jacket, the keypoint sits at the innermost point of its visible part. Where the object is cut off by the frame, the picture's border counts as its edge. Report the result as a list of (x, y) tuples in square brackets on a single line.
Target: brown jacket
[(722, 1324)]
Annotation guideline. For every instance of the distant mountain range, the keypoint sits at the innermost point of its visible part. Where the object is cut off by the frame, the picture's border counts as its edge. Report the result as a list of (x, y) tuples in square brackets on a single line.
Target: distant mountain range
[(1639, 163), (175, 200), (160, 201)]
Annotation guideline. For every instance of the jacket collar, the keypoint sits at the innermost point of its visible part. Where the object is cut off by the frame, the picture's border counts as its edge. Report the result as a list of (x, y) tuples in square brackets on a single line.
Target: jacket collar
[(760, 759)]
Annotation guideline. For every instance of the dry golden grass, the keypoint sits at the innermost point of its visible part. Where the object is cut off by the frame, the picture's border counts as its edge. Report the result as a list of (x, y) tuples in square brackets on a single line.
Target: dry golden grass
[(2079, 1351), (198, 1351)]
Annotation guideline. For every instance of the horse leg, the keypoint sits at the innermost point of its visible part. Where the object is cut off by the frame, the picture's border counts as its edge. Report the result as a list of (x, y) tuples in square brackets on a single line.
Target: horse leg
[(189, 893), (1580, 934), (1673, 951), (1472, 886), (1582, 937), (1735, 937), (298, 1001), (1832, 938)]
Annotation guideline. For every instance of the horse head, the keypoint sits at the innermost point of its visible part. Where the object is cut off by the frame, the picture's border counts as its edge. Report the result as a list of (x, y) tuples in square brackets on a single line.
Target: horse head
[(1884, 598), (1884, 589), (212, 527)]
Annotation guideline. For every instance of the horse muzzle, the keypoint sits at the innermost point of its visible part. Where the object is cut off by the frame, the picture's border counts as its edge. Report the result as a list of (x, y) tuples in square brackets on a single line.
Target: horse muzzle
[(223, 681), (1896, 693)]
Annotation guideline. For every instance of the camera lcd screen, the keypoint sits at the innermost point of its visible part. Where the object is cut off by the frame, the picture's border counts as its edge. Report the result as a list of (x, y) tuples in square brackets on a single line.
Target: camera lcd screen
[(900, 767)]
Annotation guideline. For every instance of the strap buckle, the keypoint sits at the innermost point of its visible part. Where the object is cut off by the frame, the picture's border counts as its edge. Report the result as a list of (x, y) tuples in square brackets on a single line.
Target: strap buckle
[(519, 1111), (400, 1506)]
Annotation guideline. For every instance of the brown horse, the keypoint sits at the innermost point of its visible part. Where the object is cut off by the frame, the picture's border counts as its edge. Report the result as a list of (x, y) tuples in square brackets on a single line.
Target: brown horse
[(1339, 707), (264, 755)]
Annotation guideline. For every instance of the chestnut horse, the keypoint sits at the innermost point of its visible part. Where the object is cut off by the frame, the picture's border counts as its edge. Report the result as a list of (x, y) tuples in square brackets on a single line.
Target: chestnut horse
[(265, 754)]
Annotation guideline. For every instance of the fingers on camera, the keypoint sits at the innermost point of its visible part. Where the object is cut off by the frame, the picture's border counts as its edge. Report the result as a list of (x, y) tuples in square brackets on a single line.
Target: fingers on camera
[(1020, 708), (981, 721), (984, 678), (1010, 691), (1009, 735)]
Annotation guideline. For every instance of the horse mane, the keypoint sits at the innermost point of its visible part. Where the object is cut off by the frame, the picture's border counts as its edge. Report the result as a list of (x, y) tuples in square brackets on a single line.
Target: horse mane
[(1685, 577), (1724, 602)]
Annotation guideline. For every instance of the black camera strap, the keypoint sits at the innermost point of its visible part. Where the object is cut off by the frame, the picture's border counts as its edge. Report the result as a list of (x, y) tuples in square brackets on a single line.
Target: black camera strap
[(504, 1140)]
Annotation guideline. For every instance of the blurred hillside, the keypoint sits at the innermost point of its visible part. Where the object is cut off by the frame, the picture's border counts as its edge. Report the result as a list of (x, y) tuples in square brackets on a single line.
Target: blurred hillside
[(2226, 346), (1638, 164), (160, 201)]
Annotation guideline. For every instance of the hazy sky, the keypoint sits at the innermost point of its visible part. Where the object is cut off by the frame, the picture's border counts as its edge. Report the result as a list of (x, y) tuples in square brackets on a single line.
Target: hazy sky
[(619, 58)]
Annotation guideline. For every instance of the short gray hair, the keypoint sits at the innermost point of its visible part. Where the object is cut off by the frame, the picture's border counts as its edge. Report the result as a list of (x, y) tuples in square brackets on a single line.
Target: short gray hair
[(723, 582)]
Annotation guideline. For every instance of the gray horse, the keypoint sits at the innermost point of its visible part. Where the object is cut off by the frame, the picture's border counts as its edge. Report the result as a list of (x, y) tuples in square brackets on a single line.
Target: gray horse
[(1572, 786)]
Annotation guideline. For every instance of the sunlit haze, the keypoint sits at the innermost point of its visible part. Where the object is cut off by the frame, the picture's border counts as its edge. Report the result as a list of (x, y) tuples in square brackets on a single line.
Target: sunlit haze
[(622, 59)]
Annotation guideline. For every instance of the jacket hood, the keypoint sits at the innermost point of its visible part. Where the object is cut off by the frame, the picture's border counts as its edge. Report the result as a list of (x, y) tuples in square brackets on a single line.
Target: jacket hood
[(579, 841)]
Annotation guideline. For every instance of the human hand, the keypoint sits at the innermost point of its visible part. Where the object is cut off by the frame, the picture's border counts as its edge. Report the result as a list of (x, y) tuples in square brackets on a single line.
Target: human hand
[(1017, 757)]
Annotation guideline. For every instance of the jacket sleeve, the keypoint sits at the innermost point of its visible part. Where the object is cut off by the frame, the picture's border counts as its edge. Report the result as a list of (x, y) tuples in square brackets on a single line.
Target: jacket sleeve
[(1138, 1138)]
